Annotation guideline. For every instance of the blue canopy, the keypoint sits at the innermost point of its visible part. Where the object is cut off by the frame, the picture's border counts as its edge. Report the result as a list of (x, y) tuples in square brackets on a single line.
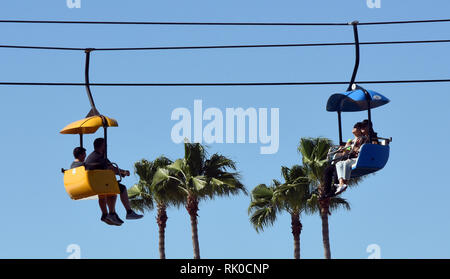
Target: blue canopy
[(355, 101)]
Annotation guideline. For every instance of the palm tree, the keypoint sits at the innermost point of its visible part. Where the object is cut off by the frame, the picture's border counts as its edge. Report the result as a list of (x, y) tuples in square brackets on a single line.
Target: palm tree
[(142, 197), (291, 196), (197, 178), (314, 156)]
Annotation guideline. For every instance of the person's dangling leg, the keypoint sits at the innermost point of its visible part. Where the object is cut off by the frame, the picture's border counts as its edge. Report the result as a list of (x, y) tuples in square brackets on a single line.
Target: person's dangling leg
[(334, 179), (341, 172), (126, 203), (111, 202), (102, 204), (104, 209), (124, 197), (346, 175), (347, 170), (328, 180)]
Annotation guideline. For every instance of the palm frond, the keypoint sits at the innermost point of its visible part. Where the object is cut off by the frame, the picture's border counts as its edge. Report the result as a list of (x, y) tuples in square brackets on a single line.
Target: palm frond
[(285, 171), (219, 162), (263, 217), (262, 191), (194, 155), (263, 208), (140, 196), (338, 203), (291, 196), (314, 155), (166, 187), (313, 204)]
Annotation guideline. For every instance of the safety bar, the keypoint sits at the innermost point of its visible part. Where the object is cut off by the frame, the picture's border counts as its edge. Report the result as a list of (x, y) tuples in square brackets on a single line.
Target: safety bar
[(120, 175)]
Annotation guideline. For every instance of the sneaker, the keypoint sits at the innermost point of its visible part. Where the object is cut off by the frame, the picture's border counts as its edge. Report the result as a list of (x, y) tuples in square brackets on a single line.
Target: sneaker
[(112, 218), (133, 216), (106, 220), (117, 217), (341, 189)]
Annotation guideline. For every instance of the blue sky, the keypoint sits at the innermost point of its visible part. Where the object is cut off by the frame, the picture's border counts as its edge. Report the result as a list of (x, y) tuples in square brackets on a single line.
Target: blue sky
[(403, 208)]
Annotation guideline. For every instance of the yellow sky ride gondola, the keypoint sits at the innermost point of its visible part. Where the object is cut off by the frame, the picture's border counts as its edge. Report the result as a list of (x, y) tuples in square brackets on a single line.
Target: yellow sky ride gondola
[(79, 182)]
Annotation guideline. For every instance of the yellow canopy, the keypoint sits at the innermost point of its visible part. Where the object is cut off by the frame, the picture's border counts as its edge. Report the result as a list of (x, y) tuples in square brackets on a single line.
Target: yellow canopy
[(88, 125)]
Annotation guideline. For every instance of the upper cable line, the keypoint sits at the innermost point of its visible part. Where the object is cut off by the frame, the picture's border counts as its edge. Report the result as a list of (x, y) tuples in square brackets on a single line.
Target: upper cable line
[(220, 23)]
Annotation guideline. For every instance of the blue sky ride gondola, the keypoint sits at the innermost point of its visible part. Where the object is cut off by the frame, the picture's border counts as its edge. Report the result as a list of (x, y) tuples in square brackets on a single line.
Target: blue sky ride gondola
[(372, 157)]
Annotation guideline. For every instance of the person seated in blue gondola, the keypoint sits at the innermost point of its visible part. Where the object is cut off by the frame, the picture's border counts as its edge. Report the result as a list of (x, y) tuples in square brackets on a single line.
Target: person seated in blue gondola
[(97, 160), (349, 157), (368, 130), (341, 154)]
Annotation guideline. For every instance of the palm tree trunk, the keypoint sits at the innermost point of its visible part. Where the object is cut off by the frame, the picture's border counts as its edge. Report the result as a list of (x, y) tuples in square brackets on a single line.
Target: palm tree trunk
[(192, 208), (161, 219), (296, 226), (324, 211)]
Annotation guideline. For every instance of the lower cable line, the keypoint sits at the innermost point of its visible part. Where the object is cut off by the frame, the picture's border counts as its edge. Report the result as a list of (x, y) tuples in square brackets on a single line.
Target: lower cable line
[(6, 83), (225, 46)]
